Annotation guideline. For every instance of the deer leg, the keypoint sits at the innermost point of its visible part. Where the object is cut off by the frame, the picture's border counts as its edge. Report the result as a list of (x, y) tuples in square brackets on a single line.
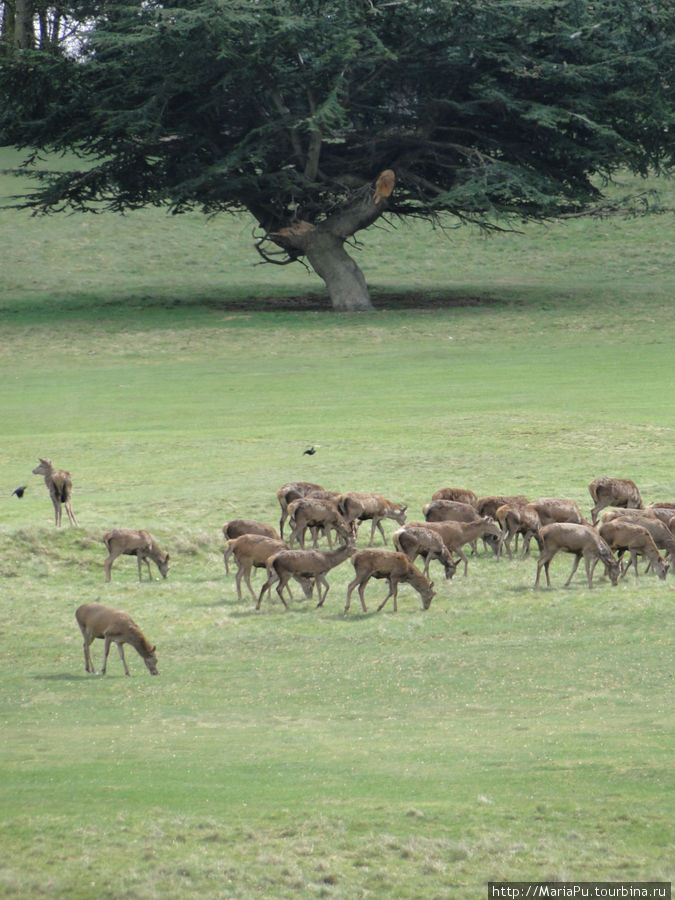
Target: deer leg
[(460, 553), (392, 593), (321, 580), (282, 583), (589, 569), (120, 648), (71, 516), (107, 565), (227, 553), (544, 561), (362, 586), (243, 572), (577, 559), (88, 664), (106, 651), (57, 510)]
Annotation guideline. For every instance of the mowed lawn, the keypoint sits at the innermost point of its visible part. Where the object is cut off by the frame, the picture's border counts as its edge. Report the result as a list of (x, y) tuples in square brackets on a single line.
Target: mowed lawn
[(506, 733)]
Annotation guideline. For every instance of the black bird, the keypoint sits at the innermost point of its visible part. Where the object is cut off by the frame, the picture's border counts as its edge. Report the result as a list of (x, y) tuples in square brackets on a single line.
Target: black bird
[(309, 452), (19, 491)]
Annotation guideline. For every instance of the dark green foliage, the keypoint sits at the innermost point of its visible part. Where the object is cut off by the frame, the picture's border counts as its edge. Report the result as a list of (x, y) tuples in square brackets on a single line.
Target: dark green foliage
[(288, 109)]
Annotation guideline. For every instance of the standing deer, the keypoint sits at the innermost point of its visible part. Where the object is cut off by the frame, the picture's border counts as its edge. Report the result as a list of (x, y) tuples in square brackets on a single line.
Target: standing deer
[(395, 567), (287, 564), (140, 544), (60, 487), (114, 627), (581, 540), (356, 505), (621, 492)]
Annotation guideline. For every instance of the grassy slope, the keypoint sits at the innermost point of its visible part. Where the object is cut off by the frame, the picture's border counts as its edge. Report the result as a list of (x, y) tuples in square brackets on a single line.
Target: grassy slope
[(505, 733)]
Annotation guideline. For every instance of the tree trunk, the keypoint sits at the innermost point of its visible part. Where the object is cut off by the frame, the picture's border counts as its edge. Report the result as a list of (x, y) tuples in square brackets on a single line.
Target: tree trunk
[(324, 244), (24, 35), (344, 280)]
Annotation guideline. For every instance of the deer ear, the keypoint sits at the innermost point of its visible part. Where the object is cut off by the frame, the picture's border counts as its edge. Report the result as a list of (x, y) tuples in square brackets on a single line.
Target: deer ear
[(153, 649)]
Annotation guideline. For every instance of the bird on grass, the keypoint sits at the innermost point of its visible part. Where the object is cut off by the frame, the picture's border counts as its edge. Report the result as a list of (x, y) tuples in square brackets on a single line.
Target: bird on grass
[(310, 451), (19, 491)]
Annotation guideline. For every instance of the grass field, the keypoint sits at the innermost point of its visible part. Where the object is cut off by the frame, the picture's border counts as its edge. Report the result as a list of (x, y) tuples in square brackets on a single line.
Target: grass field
[(506, 733)]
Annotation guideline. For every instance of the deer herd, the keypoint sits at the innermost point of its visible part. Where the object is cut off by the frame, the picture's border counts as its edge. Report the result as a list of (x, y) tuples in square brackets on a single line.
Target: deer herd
[(454, 519)]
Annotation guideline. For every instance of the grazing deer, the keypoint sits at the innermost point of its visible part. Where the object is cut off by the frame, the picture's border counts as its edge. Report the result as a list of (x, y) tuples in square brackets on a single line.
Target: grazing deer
[(60, 487), (581, 540), (355, 505), (456, 534), (316, 513), (114, 627), (416, 540), (141, 544), (626, 535), (252, 551), (291, 491), (395, 567), (287, 564), (621, 492)]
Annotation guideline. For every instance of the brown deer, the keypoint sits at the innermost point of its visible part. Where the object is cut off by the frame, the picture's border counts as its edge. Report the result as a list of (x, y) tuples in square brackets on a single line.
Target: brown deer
[(289, 492), (515, 521), (583, 541), (461, 494), (251, 551), (449, 511), (395, 567), (237, 527), (287, 564), (555, 509), (621, 492), (362, 506), (114, 627), (60, 487), (456, 534), (141, 544), (625, 535), (416, 540), (316, 513)]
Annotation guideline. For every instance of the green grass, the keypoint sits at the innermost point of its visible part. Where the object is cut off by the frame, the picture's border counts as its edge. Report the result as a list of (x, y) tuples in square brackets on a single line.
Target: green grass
[(505, 733)]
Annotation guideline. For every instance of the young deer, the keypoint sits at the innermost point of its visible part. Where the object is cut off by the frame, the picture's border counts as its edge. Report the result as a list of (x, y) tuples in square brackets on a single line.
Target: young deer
[(60, 487), (141, 544), (114, 627), (395, 567)]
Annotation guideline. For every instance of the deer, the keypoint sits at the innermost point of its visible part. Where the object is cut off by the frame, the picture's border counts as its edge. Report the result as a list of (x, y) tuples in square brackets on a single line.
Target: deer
[(252, 551), (141, 544), (416, 540), (456, 534), (627, 536), (236, 527), (317, 513), (583, 541), (289, 492), (555, 509), (514, 521), (660, 531), (396, 568), (488, 506), (60, 487), (287, 564), (621, 492), (449, 511), (362, 506), (462, 495), (114, 627)]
